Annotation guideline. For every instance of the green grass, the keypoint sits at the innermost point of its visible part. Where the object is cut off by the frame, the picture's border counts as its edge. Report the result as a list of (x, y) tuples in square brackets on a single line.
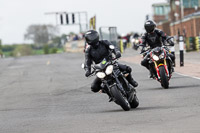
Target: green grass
[(41, 51), (60, 50), (35, 52), (7, 54), (38, 52)]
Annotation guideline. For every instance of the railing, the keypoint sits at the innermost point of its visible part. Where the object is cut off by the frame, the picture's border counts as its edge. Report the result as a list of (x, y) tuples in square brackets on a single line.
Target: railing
[(75, 46), (192, 43)]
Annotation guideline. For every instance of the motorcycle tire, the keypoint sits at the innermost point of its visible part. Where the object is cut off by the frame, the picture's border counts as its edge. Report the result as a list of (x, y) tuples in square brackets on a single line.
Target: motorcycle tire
[(135, 102), (120, 99), (163, 77)]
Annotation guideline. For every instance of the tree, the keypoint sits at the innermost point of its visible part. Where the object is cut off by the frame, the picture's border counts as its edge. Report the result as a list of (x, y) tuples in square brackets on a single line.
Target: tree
[(46, 49), (22, 50), (1, 52), (58, 41), (41, 34)]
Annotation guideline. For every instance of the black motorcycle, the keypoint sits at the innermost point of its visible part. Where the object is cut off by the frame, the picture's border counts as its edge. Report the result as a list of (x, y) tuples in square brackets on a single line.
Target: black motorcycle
[(136, 43), (160, 65), (115, 84)]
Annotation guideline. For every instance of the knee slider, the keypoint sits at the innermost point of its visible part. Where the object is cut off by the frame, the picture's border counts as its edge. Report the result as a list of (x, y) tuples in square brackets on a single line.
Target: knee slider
[(173, 57), (143, 63), (94, 88), (128, 69)]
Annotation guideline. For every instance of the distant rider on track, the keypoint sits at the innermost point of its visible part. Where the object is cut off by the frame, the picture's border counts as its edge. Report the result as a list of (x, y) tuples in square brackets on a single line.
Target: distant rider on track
[(154, 38)]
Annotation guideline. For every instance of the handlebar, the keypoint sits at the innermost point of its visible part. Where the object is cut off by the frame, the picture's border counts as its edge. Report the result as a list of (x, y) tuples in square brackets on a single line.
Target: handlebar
[(91, 74), (141, 44), (146, 51), (94, 69)]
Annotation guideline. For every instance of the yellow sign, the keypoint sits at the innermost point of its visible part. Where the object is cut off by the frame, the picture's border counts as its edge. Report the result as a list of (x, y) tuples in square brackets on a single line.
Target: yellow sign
[(93, 23)]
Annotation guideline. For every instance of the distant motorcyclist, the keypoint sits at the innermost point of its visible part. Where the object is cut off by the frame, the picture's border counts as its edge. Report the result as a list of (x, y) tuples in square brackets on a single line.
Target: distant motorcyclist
[(136, 35), (96, 52), (135, 40), (154, 38)]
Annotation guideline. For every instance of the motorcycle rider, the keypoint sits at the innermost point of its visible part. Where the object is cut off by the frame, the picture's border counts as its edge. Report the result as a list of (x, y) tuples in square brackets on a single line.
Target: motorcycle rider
[(154, 37), (96, 52)]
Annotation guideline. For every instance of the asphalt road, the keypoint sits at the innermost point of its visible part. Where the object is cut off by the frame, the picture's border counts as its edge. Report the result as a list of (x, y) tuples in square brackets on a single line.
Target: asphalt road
[(49, 94)]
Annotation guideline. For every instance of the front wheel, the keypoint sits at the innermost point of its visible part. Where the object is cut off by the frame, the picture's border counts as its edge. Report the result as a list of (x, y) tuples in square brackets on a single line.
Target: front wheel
[(120, 99), (163, 77), (135, 46)]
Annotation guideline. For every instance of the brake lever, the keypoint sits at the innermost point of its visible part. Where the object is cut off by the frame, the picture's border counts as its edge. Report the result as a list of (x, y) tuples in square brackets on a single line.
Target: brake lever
[(144, 52), (114, 60), (91, 74)]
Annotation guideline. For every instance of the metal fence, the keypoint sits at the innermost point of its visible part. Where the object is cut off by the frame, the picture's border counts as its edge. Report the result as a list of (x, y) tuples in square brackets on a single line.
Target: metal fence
[(109, 33)]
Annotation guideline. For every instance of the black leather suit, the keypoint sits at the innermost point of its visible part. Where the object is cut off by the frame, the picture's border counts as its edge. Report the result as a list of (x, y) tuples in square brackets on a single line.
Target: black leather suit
[(155, 39), (97, 54)]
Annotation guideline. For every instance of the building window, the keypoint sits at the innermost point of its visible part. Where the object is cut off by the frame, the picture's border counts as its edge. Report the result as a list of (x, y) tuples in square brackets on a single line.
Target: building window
[(159, 10), (190, 3)]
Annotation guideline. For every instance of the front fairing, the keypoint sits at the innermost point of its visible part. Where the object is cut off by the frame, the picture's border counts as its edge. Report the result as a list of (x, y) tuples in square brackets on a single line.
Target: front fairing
[(160, 60), (158, 54), (102, 65)]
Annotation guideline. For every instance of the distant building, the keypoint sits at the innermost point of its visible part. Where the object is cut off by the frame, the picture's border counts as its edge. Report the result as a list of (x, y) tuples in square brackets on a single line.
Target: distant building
[(160, 12), (161, 16), (185, 17), (182, 18)]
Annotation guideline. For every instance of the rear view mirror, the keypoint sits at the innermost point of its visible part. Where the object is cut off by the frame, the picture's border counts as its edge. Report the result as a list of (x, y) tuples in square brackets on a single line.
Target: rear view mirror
[(83, 65), (170, 38)]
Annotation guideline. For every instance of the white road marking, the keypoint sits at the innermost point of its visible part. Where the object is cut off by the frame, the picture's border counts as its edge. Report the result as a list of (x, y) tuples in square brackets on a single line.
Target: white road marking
[(48, 63), (187, 75)]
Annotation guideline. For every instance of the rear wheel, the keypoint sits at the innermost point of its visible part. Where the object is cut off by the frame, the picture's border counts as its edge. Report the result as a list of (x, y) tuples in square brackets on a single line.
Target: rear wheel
[(135, 102), (120, 99), (163, 77)]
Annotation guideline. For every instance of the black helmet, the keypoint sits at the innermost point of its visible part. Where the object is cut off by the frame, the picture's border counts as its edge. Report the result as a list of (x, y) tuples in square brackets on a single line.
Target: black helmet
[(149, 26), (92, 37)]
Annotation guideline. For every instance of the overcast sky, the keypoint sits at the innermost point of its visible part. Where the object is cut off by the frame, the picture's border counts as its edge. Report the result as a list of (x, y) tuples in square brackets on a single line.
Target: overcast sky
[(17, 15)]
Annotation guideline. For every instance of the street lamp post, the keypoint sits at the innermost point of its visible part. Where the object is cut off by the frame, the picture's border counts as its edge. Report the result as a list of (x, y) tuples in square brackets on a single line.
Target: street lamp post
[(180, 37)]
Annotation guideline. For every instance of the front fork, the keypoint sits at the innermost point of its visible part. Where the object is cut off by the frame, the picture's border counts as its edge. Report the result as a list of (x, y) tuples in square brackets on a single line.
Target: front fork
[(115, 83), (119, 85), (157, 68)]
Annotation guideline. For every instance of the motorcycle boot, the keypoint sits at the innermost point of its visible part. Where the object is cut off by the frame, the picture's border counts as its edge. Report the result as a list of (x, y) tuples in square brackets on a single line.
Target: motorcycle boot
[(172, 69), (151, 76), (131, 80)]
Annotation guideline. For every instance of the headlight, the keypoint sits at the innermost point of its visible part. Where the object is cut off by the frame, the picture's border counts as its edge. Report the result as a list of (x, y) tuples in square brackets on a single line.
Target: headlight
[(136, 41), (155, 57), (101, 75), (109, 69), (133, 40)]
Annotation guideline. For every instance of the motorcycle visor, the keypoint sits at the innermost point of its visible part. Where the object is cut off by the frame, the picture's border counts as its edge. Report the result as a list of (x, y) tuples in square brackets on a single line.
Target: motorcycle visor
[(92, 38), (149, 28)]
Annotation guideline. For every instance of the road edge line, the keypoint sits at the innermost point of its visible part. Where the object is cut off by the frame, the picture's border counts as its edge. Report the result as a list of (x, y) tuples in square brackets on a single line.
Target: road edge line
[(187, 75)]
